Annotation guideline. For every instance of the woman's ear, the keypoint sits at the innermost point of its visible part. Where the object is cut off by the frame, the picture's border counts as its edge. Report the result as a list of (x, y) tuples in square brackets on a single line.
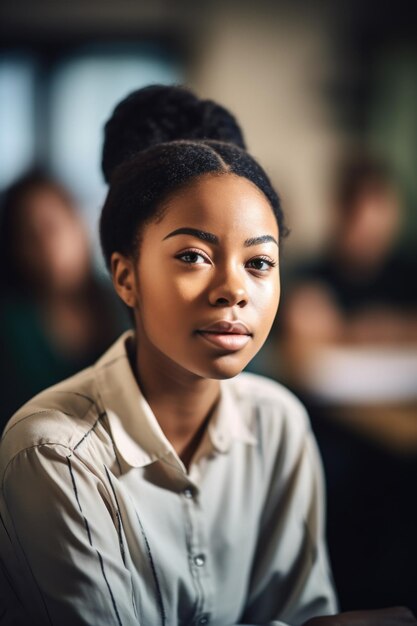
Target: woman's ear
[(123, 275)]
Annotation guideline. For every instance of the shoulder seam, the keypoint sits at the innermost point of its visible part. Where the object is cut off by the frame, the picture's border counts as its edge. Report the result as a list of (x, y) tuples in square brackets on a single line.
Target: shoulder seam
[(41, 412), (75, 393), (46, 411), (100, 415), (71, 452), (37, 445), (54, 443)]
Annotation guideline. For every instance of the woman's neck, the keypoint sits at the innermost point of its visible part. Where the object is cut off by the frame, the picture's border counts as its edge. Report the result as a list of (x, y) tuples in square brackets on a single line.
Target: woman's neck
[(182, 402)]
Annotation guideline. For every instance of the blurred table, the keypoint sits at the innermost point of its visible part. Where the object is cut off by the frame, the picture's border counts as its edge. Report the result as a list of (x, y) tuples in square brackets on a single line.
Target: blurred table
[(373, 390)]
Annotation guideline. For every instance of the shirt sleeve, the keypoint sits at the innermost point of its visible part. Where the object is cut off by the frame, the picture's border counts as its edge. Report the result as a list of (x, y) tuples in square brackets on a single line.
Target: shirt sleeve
[(291, 579), (61, 550)]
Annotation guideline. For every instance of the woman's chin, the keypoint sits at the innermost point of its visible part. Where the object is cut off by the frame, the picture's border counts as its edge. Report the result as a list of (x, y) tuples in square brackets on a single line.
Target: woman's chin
[(225, 367)]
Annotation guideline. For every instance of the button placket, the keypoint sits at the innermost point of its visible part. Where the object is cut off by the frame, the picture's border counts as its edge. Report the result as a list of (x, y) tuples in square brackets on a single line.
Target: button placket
[(197, 553), (200, 560)]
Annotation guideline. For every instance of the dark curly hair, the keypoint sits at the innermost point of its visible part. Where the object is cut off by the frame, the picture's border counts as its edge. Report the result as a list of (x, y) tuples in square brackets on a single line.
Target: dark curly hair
[(141, 182), (160, 113)]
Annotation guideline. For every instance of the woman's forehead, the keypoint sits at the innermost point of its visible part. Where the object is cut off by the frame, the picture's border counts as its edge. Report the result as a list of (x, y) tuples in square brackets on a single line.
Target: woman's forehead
[(222, 205)]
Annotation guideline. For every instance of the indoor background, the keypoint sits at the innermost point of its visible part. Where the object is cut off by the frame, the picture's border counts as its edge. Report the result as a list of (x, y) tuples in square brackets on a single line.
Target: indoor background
[(326, 93)]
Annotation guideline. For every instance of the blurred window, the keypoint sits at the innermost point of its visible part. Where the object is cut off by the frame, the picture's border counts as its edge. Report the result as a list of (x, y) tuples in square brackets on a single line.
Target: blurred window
[(17, 95), (53, 108), (83, 92)]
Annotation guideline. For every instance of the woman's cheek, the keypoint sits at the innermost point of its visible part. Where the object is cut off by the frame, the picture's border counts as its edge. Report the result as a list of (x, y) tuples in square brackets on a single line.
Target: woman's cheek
[(266, 292), (188, 288), (266, 302)]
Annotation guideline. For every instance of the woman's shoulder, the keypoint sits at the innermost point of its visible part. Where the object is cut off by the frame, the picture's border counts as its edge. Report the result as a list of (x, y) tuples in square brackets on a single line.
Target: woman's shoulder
[(257, 388), (60, 415), (273, 408)]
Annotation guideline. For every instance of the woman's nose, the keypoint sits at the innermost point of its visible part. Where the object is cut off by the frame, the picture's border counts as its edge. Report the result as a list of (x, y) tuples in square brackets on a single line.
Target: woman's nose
[(229, 290)]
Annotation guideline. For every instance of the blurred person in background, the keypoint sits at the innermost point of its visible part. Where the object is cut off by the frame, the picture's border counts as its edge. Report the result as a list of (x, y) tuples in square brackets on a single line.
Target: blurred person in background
[(57, 315), (349, 347), (363, 289)]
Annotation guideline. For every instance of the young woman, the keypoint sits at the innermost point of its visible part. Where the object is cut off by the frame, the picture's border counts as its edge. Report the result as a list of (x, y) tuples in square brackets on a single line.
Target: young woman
[(163, 485)]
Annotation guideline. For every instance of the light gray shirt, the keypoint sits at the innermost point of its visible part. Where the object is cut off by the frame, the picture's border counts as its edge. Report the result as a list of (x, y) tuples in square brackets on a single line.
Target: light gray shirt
[(102, 524)]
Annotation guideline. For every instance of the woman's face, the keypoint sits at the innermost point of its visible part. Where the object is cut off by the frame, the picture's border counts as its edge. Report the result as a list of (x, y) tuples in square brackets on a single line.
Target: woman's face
[(52, 249), (212, 257)]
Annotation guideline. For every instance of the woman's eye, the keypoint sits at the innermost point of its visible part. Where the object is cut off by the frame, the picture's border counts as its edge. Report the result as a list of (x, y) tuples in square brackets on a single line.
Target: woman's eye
[(191, 257), (262, 264)]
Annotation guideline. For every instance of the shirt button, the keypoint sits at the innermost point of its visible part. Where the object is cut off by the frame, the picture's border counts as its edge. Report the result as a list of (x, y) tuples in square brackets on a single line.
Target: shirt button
[(188, 493), (199, 560), (204, 619)]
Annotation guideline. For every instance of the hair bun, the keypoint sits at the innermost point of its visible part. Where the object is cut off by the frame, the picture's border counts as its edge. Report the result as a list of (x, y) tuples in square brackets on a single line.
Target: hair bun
[(158, 114)]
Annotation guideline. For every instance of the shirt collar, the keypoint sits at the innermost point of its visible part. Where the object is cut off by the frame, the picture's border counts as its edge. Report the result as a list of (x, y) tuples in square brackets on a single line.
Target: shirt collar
[(227, 422), (134, 427)]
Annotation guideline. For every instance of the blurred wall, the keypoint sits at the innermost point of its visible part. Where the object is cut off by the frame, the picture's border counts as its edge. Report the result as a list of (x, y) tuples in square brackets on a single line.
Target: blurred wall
[(302, 78), (269, 62), (272, 67)]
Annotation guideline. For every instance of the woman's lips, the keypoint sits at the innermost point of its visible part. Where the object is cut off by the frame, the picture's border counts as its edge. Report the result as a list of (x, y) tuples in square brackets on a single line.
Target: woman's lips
[(229, 341)]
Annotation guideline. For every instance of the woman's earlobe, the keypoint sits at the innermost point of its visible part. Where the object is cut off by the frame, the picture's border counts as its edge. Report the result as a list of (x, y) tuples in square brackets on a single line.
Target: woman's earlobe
[(123, 278)]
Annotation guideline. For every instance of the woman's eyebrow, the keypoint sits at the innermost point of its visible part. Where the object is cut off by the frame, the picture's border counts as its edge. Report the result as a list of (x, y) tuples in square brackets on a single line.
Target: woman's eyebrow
[(211, 238), (201, 234), (254, 241)]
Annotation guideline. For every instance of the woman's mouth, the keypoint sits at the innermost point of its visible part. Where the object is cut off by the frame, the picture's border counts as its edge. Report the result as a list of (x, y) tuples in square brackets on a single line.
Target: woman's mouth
[(229, 341)]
